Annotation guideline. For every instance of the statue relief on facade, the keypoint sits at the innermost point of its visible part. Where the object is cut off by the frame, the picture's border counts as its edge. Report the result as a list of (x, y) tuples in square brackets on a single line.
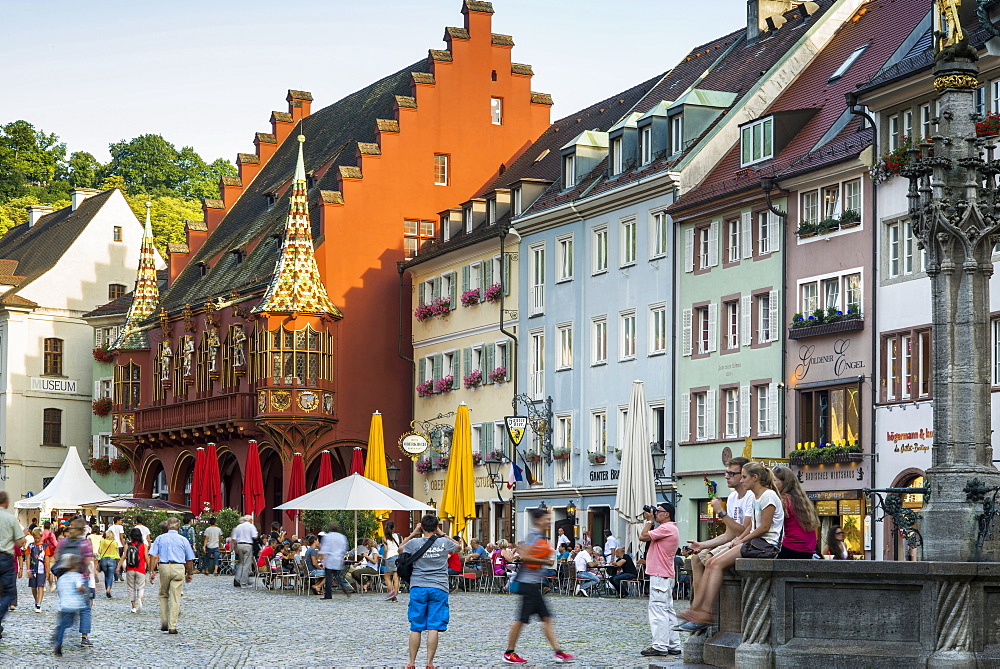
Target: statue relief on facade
[(166, 357), (187, 360), (237, 339), (213, 351)]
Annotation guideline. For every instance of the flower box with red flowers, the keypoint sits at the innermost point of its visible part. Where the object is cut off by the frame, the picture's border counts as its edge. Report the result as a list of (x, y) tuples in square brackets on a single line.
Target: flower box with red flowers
[(102, 406)]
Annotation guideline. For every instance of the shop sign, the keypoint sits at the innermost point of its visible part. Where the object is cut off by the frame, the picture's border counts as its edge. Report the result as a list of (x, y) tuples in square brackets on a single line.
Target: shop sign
[(413, 444), (826, 508), (910, 442), (850, 507), (819, 495), (829, 362), (834, 475), (480, 481), (603, 475), (53, 385)]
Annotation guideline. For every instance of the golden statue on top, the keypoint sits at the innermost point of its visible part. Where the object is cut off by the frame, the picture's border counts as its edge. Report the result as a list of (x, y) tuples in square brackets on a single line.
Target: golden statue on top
[(947, 24)]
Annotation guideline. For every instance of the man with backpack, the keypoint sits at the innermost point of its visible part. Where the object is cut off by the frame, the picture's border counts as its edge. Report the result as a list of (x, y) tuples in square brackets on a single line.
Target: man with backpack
[(428, 608), (11, 536)]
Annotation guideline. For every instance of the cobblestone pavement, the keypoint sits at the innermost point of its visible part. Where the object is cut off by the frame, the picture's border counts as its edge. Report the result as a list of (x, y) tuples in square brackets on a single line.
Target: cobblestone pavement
[(223, 626)]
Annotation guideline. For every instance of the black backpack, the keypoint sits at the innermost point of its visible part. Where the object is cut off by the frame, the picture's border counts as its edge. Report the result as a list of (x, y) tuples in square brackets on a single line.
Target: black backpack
[(62, 563), (132, 556), (405, 561)]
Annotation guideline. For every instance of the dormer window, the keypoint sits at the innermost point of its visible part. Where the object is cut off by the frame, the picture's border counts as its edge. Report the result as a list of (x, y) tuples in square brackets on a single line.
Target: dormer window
[(569, 171), (847, 63), (202, 268), (516, 200), (757, 141), (646, 145), (239, 255), (616, 156), (676, 134), (491, 211), (270, 199), (467, 219)]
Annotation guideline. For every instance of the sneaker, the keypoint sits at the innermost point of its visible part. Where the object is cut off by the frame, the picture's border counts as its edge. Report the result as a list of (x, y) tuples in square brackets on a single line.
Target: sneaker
[(562, 656), (38, 608), (86, 643), (133, 610), (173, 632), (652, 652), (584, 592), (675, 651), (513, 658), (138, 604), (57, 651)]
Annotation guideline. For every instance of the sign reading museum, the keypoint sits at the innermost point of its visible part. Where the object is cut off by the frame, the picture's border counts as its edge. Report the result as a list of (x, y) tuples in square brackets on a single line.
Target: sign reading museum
[(53, 385)]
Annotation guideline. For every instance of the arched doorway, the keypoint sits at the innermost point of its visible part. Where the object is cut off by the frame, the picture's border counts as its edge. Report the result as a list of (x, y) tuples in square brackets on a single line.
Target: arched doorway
[(896, 547), (182, 479), (232, 480), (272, 470), (151, 479)]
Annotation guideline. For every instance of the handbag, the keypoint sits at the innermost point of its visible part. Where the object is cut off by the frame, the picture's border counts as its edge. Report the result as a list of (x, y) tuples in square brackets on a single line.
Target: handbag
[(404, 565), (759, 548)]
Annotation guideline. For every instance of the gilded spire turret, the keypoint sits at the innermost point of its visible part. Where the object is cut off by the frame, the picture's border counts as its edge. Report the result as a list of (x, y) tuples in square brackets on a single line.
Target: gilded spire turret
[(297, 287), (145, 296)]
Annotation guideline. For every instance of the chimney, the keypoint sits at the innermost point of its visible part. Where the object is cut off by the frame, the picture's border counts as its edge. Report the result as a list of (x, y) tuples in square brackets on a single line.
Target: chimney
[(36, 211), (78, 195), (759, 11), (299, 104)]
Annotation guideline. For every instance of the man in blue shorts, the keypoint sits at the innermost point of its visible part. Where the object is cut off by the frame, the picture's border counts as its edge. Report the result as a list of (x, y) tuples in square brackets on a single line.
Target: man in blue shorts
[(428, 608)]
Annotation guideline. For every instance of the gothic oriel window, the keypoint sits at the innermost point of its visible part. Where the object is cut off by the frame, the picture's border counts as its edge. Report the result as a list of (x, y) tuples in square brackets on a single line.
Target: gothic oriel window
[(127, 378), (302, 357)]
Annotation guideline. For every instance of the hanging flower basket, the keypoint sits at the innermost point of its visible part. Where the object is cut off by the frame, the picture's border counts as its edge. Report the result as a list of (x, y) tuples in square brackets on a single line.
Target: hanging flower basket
[(441, 306), (120, 465), (102, 354), (472, 297), (444, 385), (102, 406), (426, 388), (441, 462), (597, 458), (891, 162), (493, 293), (498, 375), (424, 466), (477, 460), (561, 454), (532, 456), (423, 312), (101, 465), (473, 379)]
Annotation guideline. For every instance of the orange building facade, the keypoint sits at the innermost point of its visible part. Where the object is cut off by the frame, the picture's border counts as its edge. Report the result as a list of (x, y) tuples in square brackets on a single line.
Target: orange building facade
[(215, 358)]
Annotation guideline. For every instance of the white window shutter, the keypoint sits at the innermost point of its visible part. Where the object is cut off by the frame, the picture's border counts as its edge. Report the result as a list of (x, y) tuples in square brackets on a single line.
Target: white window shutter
[(710, 401), (774, 311), (689, 250), (773, 240), (746, 233), (713, 244), (772, 408), (686, 332), (746, 324), (99, 337), (685, 417), (713, 327), (745, 411)]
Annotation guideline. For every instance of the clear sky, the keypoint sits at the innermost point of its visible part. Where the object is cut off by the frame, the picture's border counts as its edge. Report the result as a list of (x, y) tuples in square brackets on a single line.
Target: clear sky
[(208, 73)]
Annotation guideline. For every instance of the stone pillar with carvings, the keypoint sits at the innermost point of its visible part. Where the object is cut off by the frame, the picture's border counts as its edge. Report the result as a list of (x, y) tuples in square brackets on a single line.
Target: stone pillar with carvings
[(953, 210)]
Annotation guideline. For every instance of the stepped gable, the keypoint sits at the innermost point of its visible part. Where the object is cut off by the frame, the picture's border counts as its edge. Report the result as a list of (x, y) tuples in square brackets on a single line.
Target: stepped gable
[(250, 220), (145, 295), (297, 287), (893, 21), (39, 247)]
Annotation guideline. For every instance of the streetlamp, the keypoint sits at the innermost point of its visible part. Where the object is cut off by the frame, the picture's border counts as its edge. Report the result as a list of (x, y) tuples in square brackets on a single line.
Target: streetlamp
[(571, 509), (393, 473)]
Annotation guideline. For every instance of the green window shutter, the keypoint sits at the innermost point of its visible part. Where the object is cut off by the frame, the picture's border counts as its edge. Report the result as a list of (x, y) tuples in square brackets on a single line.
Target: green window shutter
[(467, 360), (466, 274), (489, 352), (487, 432), (438, 363), (506, 274), (454, 292), (487, 273), (436, 289), (421, 370), (421, 290), (506, 359), (456, 370)]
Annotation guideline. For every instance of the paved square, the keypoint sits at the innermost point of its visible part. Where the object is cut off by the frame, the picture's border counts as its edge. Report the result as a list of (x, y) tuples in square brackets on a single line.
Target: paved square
[(223, 626)]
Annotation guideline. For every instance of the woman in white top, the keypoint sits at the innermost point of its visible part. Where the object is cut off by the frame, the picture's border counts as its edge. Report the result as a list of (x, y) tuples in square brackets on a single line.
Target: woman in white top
[(768, 520), (391, 541)]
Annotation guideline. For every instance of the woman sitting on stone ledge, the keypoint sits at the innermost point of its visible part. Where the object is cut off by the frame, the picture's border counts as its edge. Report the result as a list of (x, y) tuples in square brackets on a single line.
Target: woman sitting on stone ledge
[(762, 540), (801, 522)]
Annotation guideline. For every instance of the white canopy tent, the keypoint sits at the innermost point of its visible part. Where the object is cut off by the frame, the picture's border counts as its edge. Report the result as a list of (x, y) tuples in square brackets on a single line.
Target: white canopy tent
[(355, 493), (71, 488)]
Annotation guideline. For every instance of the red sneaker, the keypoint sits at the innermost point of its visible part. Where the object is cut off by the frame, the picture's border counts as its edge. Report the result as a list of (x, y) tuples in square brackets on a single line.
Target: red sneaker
[(562, 657), (513, 658)]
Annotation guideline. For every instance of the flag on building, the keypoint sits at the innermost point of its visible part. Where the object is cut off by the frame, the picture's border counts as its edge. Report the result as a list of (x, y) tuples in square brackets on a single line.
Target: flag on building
[(515, 476)]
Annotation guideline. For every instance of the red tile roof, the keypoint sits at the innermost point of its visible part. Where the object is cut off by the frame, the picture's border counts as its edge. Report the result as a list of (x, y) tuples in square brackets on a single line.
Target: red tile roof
[(891, 21)]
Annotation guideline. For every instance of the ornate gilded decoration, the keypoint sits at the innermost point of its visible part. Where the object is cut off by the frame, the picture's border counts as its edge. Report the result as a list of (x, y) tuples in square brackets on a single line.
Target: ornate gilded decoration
[(166, 355), (188, 317), (297, 287), (261, 401), (947, 24), (145, 295), (213, 352), (187, 357), (211, 317), (328, 402), (308, 400), (281, 400), (956, 81), (237, 340)]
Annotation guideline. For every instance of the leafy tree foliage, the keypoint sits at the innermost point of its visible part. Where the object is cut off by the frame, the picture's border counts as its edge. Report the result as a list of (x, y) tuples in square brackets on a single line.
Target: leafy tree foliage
[(34, 169)]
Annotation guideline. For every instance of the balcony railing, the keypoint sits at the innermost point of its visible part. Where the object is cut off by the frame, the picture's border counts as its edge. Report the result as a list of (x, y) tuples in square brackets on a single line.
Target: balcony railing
[(226, 408)]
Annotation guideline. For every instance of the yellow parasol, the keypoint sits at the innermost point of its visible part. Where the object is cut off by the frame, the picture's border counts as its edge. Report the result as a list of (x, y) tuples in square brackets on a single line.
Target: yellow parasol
[(375, 462), (458, 501)]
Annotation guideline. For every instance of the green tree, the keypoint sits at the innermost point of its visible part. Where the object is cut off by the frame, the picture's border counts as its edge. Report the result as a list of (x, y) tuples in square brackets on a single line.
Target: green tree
[(148, 164), (167, 216), (82, 170), (14, 211), (28, 157)]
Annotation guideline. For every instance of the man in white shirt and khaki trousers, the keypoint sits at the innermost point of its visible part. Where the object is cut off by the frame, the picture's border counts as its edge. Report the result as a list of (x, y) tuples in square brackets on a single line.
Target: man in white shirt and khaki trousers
[(243, 536)]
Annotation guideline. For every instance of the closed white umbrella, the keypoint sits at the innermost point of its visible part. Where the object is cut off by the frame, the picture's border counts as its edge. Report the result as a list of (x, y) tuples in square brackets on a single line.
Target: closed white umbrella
[(635, 479)]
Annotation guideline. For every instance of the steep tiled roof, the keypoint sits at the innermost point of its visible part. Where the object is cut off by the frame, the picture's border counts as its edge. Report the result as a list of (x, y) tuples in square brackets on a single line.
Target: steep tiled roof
[(39, 247), (892, 21), (120, 306), (332, 135)]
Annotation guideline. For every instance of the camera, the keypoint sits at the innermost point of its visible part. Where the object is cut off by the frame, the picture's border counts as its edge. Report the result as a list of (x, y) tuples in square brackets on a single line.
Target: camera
[(649, 508)]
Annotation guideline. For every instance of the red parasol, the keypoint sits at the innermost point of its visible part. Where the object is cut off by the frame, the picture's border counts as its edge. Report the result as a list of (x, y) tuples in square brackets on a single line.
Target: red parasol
[(296, 486), (357, 462), (211, 493), (197, 484), (253, 482), (325, 470)]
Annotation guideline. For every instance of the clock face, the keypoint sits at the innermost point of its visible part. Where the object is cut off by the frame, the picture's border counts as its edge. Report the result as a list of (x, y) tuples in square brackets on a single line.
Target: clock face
[(413, 443), (308, 400)]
